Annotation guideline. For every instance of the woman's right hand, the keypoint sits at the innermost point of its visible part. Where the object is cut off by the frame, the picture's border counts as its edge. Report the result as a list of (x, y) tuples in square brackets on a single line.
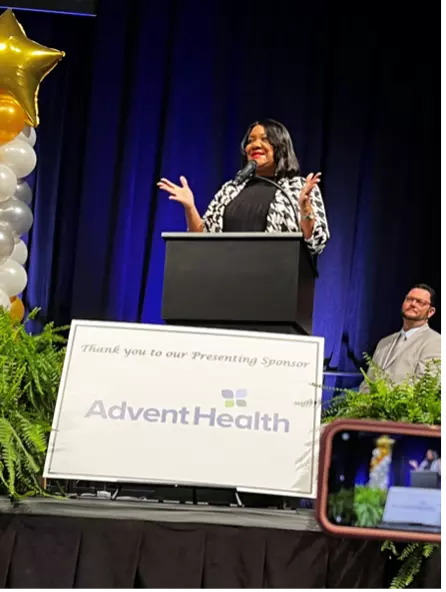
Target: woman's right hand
[(413, 464), (182, 194)]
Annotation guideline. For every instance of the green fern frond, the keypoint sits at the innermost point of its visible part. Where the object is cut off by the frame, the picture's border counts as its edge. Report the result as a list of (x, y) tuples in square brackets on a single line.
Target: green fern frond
[(408, 550), (30, 371), (429, 549), (390, 546)]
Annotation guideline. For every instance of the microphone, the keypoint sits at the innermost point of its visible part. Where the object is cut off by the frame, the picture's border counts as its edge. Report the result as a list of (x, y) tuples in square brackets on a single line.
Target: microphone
[(246, 172)]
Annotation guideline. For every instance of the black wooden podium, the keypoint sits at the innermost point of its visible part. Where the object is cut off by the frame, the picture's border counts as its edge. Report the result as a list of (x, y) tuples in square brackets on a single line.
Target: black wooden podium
[(251, 281), (246, 281)]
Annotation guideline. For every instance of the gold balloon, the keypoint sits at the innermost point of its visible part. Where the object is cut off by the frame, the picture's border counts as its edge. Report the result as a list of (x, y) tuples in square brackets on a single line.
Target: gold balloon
[(17, 310), (23, 65), (12, 118)]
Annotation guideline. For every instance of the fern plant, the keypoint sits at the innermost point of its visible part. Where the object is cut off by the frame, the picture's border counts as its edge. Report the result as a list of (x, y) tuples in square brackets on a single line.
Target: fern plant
[(361, 506), (416, 400), (340, 506), (413, 401), (30, 371), (369, 505), (412, 557)]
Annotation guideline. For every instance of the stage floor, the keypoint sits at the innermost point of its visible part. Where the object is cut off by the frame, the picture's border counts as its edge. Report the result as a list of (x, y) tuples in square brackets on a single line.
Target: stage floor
[(302, 520)]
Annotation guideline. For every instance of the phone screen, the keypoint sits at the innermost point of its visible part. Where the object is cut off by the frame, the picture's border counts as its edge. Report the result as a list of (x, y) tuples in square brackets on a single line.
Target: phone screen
[(386, 481)]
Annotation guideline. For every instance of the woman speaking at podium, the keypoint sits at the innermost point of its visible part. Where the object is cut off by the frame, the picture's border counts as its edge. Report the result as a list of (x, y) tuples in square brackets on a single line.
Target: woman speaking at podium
[(267, 195)]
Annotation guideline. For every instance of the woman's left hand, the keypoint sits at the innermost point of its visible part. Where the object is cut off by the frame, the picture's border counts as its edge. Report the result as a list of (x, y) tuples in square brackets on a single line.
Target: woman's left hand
[(310, 183)]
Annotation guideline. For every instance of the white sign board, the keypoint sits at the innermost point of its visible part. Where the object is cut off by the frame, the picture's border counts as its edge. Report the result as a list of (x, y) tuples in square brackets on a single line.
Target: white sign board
[(149, 403), (413, 505)]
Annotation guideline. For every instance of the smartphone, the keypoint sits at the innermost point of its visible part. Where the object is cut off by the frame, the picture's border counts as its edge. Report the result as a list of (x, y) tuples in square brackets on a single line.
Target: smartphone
[(380, 480)]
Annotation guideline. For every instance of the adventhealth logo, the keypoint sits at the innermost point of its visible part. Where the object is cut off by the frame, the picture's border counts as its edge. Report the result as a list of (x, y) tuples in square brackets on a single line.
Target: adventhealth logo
[(237, 397), (195, 416)]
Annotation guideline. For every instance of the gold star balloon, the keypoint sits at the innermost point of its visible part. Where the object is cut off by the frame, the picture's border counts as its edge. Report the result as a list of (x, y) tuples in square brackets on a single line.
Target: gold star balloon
[(23, 65)]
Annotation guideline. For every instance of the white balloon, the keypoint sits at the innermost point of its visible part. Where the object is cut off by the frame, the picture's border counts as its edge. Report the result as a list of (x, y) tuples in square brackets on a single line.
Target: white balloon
[(17, 214), (6, 242), (19, 156), (13, 278), (5, 302), (20, 253), (23, 192), (8, 182), (28, 134)]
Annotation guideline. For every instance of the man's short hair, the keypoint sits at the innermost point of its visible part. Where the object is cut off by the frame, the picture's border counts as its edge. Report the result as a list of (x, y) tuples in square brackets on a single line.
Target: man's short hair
[(428, 289)]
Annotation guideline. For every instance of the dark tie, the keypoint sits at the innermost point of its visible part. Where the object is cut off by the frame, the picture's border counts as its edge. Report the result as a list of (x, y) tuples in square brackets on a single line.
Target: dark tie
[(400, 341), (397, 345)]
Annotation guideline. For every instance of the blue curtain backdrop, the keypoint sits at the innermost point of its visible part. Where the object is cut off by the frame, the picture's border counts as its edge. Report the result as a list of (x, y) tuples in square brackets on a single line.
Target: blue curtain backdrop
[(168, 88)]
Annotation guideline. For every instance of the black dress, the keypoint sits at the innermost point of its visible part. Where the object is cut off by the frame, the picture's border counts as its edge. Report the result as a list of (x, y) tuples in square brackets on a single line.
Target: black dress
[(248, 211)]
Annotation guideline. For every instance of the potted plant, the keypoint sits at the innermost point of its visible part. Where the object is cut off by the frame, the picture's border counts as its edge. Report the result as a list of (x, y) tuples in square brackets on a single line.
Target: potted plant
[(31, 367), (361, 506)]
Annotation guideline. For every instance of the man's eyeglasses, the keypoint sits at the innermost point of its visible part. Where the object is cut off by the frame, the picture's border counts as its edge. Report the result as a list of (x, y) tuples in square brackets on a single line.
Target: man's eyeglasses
[(418, 301)]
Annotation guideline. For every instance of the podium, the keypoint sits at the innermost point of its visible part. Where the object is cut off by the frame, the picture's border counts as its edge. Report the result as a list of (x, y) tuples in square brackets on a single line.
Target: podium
[(247, 281)]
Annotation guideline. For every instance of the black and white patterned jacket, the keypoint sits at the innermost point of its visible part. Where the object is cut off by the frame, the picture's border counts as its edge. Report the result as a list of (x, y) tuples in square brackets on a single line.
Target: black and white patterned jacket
[(281, 217)]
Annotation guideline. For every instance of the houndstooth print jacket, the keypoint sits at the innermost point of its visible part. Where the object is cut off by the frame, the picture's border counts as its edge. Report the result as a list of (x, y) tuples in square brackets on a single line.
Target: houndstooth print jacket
[(281, 217)]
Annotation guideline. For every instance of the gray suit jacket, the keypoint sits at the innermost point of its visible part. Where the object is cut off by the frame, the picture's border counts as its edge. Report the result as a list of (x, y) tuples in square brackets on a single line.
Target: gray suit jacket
[(412, 357)]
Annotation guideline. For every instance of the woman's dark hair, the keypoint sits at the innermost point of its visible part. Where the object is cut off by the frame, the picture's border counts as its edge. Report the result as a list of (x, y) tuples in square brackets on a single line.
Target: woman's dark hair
[(280, 139), (435, 455)]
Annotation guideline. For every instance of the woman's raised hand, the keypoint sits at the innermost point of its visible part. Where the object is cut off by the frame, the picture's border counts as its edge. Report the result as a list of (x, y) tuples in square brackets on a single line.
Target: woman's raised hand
[(311, 182), (182, 193)]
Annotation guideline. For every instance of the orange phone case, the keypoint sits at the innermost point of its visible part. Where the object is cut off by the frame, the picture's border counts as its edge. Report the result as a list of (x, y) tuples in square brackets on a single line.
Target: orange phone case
[(389, 427)]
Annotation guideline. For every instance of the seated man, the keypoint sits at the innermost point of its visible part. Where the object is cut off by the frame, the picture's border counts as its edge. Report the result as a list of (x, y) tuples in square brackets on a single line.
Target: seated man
[(407, 352)]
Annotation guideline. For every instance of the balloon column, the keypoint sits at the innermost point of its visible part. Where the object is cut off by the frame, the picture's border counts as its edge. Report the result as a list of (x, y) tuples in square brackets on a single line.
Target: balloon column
[(23, 65)]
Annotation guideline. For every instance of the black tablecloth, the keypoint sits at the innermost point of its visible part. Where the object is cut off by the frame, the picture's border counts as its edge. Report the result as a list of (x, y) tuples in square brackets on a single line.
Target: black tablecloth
[(73, 552)]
